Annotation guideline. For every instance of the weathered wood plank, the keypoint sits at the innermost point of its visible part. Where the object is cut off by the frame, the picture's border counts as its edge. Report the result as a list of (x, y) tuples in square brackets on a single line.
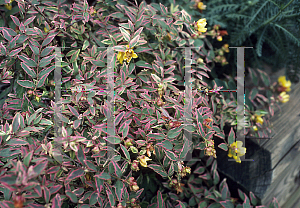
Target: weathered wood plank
[(285, 177), (294, 200), (276, 165)]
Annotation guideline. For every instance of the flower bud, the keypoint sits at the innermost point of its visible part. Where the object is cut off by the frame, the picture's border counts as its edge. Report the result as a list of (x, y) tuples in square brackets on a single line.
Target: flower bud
[(200, 61)]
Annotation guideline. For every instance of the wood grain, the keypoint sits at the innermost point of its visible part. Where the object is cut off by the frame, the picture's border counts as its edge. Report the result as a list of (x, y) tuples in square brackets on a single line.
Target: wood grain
[(275, 171)]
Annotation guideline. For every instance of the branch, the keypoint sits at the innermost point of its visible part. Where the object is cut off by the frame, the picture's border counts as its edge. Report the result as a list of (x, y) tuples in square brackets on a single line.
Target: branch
[(48, 21)]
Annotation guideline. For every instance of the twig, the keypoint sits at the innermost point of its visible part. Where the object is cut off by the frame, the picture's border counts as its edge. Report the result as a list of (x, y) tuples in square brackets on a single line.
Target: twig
[(48, 21)]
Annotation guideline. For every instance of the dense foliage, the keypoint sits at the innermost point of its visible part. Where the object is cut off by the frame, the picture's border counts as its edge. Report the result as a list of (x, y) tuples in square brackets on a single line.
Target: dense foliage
[(122, 61)]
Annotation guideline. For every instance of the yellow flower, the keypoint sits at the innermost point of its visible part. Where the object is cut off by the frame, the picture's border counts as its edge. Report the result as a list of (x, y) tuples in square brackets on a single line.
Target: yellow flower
[(236, 150), (8, 6), (259, 119), (283, 97), (225, 48), (143, 160), (201, 6), (219, 38), (255, 128), (127, 55), (46, 30), (201, 23), (200, 61), (286, 84)]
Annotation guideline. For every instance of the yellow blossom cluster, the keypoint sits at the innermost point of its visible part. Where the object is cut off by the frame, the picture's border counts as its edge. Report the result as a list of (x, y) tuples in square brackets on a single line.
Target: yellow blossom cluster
[(127, 55), (236, 151), (284, 86), (201, 23), (201, 6), (9, 6)]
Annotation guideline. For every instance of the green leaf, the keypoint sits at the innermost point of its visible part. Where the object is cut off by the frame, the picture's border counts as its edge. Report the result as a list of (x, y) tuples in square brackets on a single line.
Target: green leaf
[(26, 83), (223, 146), (75, 56), (253, 199), (106, 42), (86, 44), (28, 70), (160, 200), (171, 155), (125, 34), (127, 155), (174, 132), (46, 60), (72, 196), (42, 81), (231, 137)]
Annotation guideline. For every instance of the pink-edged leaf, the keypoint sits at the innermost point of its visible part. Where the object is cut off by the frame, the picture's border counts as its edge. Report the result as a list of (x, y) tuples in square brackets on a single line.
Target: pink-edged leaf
[(200, 170), (15, 52), (134, 41), (47, 70), (29, 20), (41, 82), (131, 16), (14, 142), (46, 195), (28, 70), (77, 123), (163, 9), (6, 35), (125, 34), (246, 203), (253, 199), (47, 50), (56, 201), (34, 49), (26, 83), (205, 176), (158, 169), (48, 39), (103, 175), (119, 118), (241, 194), (75, 174), (173, 133), (39, 168), (22, 27), (138, 32), (117, 168), (73, 111), (55, 189), (74, 57), (223, 146), (160, 200), (156, 136), (171, 155), (231, 137), (23, 133), (126, 153), (181, 205), (119, 186), (185, 149), (2, 50), (29, 62), (46, 61), (72, 196)]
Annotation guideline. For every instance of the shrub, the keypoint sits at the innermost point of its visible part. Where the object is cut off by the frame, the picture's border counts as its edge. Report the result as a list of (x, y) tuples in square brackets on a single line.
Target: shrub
[(69, 153)]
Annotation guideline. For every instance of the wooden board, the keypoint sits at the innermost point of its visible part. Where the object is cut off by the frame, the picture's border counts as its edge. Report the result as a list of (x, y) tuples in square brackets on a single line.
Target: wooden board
[(275, 170)]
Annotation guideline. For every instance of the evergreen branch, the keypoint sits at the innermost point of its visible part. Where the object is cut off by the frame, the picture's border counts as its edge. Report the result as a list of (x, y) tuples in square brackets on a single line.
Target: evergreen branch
[(260, 42), (272, 18), (288, 33), (254, 16)]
